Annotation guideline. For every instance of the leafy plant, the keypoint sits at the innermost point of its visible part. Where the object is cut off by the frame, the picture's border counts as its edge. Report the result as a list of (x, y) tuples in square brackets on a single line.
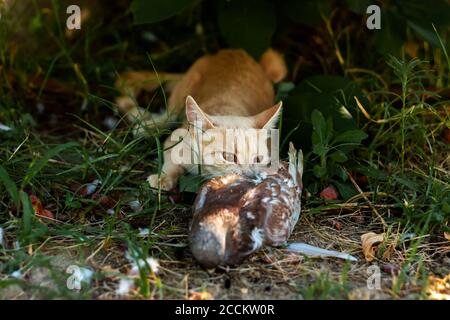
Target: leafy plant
[(400, 16), (155, 11), (333, 96), (251, 24), (332, 149)]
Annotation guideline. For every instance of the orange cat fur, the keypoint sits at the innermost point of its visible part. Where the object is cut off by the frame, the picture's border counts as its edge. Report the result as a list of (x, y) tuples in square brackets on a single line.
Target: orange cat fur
[(226, 90)]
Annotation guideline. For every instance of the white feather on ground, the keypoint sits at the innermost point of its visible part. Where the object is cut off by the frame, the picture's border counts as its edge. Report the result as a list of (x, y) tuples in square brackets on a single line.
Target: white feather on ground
[(125, 286), (16, 274), (86, 275), (4, 127), (127, 282), (309, 250), (91, 187), (2, 241)]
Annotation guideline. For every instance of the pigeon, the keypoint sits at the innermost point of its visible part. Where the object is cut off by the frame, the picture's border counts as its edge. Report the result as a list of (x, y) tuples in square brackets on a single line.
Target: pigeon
[(236, 215)]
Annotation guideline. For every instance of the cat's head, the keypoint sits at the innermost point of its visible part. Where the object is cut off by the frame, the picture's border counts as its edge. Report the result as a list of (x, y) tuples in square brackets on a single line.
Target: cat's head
[(238, 144)]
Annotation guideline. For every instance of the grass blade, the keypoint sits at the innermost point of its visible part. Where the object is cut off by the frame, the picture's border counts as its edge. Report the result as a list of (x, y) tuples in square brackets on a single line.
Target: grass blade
[(28, 213), (442, 47), (10, 186), (38, 165)]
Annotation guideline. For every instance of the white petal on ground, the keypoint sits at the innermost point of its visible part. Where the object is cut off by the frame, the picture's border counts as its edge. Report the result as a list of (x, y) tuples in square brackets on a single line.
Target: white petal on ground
[(125, 286), (40, 107), (154, 264), (135, 205), (140, 264), (16, 274), (84, 105), (91, 187), (2, 240), (110, 122), (86, 275), (309, 250), (4, 127), (144, 232), (149, 36)]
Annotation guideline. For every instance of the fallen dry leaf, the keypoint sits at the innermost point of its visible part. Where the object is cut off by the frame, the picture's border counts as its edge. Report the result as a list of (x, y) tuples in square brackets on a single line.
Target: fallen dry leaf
[(389, 251), (39, 208), (447, 236), (194, 295), (337, 225), (369, 242), (439, 288)]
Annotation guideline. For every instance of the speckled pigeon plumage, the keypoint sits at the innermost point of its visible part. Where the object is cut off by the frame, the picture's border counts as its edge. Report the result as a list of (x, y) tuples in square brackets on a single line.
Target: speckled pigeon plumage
[(235, 215)]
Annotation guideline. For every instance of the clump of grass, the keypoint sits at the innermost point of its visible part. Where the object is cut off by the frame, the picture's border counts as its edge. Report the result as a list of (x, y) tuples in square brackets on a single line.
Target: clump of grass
[(405, 154), (326, 288)]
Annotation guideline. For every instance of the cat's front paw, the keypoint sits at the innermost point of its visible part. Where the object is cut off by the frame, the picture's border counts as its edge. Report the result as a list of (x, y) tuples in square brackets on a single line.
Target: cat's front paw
[(163, 181)]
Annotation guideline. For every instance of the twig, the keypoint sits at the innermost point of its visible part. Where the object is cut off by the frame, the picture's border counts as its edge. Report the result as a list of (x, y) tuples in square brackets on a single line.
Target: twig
[(367, 199)]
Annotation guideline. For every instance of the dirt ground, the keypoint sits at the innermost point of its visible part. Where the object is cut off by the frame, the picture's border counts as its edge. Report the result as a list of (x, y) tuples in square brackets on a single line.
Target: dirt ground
[(272, 273)]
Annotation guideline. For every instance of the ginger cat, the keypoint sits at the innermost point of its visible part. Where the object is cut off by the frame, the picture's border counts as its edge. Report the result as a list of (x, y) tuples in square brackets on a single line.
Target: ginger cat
[(226, 90)]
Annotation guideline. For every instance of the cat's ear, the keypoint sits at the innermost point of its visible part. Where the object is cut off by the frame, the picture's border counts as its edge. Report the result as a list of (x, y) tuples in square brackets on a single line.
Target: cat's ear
[(268, 118), (194, 114)]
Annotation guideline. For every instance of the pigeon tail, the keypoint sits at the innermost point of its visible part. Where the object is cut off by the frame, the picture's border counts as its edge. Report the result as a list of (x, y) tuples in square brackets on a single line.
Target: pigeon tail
[(295, 164)]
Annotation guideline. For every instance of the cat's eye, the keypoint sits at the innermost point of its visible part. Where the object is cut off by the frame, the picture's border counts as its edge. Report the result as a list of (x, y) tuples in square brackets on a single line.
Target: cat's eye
[(258, 159), (230, 157)]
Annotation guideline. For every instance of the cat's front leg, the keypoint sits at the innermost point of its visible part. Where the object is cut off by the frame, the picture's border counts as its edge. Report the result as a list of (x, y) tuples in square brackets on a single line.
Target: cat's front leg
[(167, 180), (170, 172)]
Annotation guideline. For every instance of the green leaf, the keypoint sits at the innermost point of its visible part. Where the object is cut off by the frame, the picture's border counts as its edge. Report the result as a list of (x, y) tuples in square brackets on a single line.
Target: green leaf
[(345, 190), (36, 23), (373, 173), (319, 171), (425, 33), (351, 136), (38, 165), (283, 90), (319, 125), (343, 91), (320, 149), (151, 11), (332, 96), (247, 24), (341, 173), (71, 202), (308, 12), (406, 182), (445, 208), (358, 6), (436, 11), (10, 186), (338, 156), (326, 84), (390, 38)]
